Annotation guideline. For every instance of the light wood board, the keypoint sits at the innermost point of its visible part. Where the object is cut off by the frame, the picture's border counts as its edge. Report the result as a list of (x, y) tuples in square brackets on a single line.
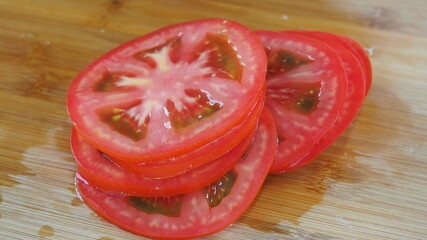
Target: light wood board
[(371, 184)]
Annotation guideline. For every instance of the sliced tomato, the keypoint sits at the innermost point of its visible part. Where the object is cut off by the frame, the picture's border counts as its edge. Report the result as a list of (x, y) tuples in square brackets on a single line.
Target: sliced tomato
[(169, 92), (179, 165), (306, 90), (354, 98), (194, 214), (361, 55), (99, 171)]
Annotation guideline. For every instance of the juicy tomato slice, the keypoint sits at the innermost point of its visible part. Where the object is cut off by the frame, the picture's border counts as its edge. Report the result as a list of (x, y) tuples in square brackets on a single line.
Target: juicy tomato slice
[(354, 98), (179, 165), (99, 171), (198, 213), (363, 58), (170, 91), (355, 48), (358, 51), (306, 89)]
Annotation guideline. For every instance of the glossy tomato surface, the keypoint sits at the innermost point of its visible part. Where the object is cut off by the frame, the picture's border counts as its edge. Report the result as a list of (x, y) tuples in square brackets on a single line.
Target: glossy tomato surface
[(198, 213), (354, 98), (361, 55), (170, 91), (99, 171), (171, 167), (306, 89)]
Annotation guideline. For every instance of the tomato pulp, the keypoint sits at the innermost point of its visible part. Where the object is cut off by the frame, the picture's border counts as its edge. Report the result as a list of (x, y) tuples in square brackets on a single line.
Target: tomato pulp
[(99, 171), (198, 213), (361, 55), (179, 165), (306, 88), (169, 92), (354, 98)]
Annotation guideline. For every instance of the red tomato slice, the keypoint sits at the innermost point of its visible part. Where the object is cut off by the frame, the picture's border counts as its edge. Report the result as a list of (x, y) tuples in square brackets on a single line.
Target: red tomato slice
[(354, 97), (170, 91), (361, 55), (306, 88), (101, 172), (208, 152), (198, 213)]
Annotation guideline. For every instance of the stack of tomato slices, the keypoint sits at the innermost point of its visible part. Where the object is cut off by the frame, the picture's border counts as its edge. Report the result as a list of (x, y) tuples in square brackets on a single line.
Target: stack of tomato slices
[(175, 131)]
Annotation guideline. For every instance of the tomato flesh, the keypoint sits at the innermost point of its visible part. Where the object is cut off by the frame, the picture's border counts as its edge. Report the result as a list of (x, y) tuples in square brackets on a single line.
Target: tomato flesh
[(301, 97), (198, 216), (222, 57), (305, 95), (117, 119), (146, 55), (169, 206), (355, 48), (175, 166), (218, 190), (99, 171), (170, 91), (202, 106), (361, 55), (282, 61), (354, 97)]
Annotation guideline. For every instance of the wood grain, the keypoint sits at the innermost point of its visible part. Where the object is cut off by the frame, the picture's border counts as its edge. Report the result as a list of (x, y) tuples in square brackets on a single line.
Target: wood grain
[(370, 184)]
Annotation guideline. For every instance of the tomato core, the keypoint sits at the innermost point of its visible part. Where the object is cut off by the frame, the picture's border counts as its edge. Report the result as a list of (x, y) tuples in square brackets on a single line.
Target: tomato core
[(214, 56), (202, 105)]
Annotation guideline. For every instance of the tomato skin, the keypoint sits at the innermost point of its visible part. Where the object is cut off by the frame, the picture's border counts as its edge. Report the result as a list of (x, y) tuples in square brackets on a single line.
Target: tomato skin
[(355, 48), (196, 219), (157, 149), (354, 98), (102, 173), (363, 58), (168, 168), (300, 131)]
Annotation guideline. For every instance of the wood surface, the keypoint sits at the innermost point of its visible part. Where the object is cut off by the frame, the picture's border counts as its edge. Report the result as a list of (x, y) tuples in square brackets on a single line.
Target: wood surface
[(370, 184)]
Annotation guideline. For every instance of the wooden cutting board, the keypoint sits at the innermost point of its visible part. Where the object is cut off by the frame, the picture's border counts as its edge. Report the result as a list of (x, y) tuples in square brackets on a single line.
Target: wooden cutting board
[(371, 184)]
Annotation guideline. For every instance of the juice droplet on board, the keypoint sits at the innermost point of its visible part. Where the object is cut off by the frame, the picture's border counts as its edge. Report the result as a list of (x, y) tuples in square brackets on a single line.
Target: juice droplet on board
[(76, 202), (46, 231)]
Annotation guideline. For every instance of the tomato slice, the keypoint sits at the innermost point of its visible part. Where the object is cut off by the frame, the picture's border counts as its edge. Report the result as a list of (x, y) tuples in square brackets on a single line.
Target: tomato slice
[(358, 51), (306, 89), (354, 98), (175, 166), (99, 171), (170, 91), (363, 58), (194, 214), (355, 48)]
